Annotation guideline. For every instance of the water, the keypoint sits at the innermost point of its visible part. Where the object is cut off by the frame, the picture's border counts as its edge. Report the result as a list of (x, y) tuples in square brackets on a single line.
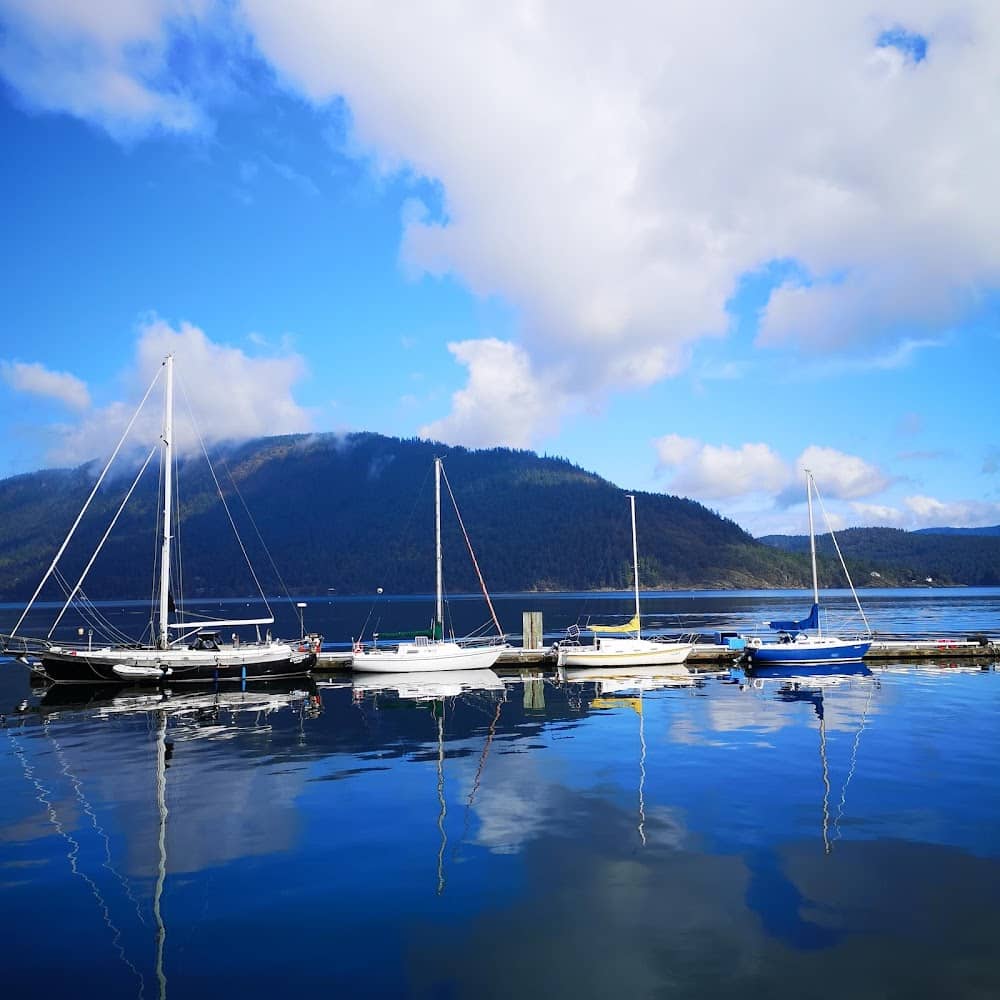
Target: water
[(537, 837)]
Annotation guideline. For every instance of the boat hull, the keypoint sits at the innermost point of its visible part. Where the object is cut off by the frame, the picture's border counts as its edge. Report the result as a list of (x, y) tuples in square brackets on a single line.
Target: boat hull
[(812, 652), (624, 653), (428, 685), (434, 656), (154, 666)]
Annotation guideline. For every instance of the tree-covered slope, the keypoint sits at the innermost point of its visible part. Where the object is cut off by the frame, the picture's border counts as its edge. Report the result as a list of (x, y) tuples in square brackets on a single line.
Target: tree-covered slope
[(905, 557), (355, 513)]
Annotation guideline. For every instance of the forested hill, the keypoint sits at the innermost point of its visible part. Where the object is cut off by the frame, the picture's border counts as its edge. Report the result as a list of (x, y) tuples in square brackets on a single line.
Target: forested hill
[(991, 530), (908, 557), (355, 513)]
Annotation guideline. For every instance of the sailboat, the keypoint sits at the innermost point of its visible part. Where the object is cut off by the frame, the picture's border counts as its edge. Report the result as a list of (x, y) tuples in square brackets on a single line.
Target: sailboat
[(195, 650), (612, 647), (803, 642), (811, 684), (431, 651)]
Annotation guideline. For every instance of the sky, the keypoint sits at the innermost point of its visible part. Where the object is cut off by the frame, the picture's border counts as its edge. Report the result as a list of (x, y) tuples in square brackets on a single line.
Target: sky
[(693, 247)]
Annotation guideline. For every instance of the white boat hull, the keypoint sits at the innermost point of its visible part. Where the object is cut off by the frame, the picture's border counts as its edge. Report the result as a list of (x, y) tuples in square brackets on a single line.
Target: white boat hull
[(430, 684), (409, 657), (615, 680), (624, 653)]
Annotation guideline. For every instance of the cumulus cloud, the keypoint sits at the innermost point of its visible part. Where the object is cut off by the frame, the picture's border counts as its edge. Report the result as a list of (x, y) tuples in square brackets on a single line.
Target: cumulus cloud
[(601, 167), (230, 395), (840, 476), (106, 62), (41, 381), (920, 511), (928, 512), (756, 486), (503, 402), (719, 471), (884, 515), (617, 191)]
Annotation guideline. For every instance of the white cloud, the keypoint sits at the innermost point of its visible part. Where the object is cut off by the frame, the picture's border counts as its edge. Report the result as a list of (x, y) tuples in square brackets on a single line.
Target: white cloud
[(104, 62), (503, 402), (880, 514), (718, 471), (40, 381), (928, 512), (755, 486), (603, 169), (230, 395), (840, 476)]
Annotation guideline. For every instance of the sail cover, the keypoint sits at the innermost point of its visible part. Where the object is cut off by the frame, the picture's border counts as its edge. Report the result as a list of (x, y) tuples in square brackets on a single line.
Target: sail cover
[(630, 626), (811, 621)]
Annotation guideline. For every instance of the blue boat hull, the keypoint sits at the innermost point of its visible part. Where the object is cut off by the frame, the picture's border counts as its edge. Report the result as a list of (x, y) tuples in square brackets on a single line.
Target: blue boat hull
[(806, 654)]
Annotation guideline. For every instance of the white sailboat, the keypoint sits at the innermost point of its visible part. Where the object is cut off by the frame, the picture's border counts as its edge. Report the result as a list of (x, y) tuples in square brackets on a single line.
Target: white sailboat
[(612, 647), (803, 642), (194, 652), (432, 652)]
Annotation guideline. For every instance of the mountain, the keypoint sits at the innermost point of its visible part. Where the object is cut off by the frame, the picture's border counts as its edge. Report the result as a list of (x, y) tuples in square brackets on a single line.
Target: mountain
[(993, 530), (908, 557), (355, 513)]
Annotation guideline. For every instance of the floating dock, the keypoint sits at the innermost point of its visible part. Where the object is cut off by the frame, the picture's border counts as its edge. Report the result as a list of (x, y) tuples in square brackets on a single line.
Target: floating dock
[(717, 653)]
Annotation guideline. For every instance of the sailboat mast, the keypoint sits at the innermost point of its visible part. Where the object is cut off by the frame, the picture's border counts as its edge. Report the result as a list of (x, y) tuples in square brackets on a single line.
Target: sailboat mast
[(635, 569), (168, 469), (812, 543), (439, 605), (161, 871)]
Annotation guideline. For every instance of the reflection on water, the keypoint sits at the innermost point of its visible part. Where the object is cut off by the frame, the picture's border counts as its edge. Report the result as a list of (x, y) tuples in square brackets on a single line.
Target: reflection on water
[(490, 835)]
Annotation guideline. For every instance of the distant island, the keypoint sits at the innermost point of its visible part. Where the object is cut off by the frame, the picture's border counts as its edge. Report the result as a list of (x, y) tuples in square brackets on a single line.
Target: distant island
[(349, 514)]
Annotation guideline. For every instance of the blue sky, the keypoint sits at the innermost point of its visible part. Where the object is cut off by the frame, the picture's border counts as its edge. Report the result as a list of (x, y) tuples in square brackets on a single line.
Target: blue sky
[(691, 250)]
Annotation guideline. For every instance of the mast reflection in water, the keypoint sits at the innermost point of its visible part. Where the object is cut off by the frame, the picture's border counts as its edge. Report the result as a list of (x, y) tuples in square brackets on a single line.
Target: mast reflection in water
[(492, 836)]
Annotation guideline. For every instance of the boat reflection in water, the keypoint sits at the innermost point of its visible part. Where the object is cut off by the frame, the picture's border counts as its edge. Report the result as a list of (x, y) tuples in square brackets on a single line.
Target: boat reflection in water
[(209, 713), (614, 680), (615, 686), (426, 685), (809, 684), (438, 690)]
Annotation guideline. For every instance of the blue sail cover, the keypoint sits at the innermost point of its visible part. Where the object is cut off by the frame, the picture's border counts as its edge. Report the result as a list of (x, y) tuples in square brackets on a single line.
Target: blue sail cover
[(812, 621)]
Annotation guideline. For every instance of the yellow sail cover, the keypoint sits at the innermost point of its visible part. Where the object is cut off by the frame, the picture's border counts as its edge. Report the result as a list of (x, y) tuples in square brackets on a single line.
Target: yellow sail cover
[(630, 626)]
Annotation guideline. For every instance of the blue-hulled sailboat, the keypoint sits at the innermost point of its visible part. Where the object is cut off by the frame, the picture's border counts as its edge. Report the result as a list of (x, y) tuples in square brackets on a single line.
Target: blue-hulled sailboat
[(802, 642)]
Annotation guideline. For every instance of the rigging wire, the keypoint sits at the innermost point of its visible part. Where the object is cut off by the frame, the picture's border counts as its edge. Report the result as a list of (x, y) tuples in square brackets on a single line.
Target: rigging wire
[(477, 780), (482, 582), (854, 761), (79, 517), (44, 798), (154, 562), (177, 563), (91, 614), (225, 506), (642, 772), (98, 829), (100, 544), (441, 799), (253, 524), (840, 556)]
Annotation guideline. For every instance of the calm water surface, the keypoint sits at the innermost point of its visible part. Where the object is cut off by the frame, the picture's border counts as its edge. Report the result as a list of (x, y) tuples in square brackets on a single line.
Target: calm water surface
[(534, 836)]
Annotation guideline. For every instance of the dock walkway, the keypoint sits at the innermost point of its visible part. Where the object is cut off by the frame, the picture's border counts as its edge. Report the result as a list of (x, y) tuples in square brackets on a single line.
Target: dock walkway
[(706, 652)]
